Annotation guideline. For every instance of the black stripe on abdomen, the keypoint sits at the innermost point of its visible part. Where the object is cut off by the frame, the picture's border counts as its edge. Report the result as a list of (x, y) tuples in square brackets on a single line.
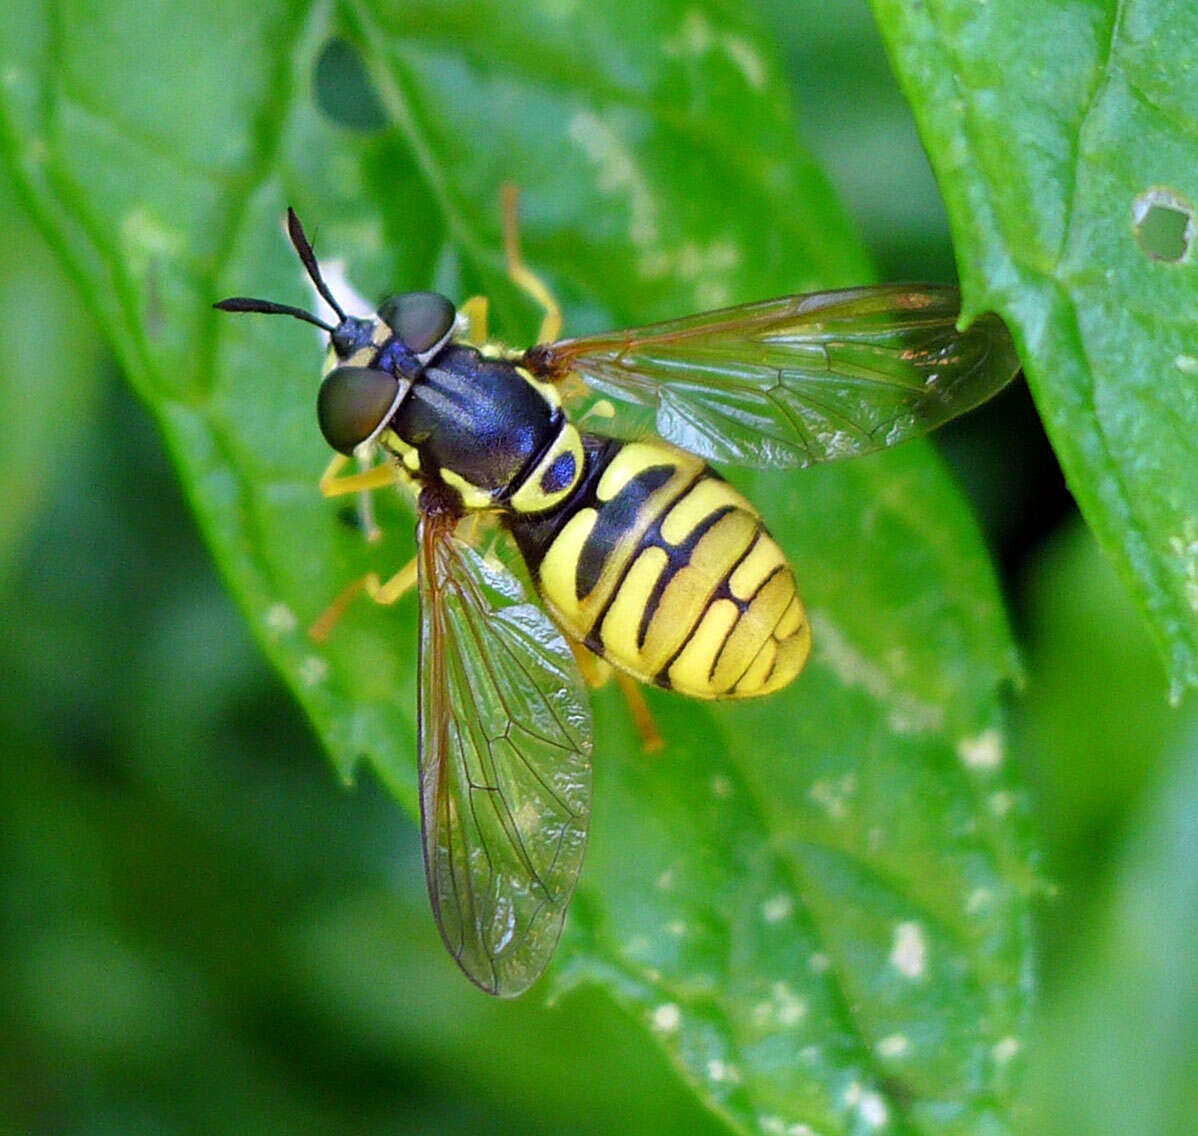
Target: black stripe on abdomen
[(615, 518)]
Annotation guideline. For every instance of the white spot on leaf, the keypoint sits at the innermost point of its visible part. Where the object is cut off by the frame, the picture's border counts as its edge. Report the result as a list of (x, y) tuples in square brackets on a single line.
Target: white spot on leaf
[(721, 1071), (832, 795), (983, 753), (313, 670), (721, 786), (893, 1045), (907, 714), (146, 238), (868, 1105), (750, 63), (667, 1017), (696, 38), (637, 945), (1005, 1049), (618, 173), (909, 953), (280, 619), (873, 1110), (777, 908), (690, 261), (1185, 547), (978, 900), (790, 1008), (1001, 802)]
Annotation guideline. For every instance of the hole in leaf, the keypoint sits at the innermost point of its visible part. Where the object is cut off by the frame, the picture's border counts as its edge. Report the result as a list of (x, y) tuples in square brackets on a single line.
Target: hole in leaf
[(1164, 223), (344, 90)]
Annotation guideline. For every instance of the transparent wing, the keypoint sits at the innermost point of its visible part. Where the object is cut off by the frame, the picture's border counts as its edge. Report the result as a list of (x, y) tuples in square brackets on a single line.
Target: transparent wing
[(798, 380), (505, 773)]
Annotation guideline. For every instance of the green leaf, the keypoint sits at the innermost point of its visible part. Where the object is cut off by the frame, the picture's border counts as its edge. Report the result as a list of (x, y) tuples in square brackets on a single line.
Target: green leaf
[(816, 903), (1064, 136), (43, 408), (1092, 724), (1136, 967)]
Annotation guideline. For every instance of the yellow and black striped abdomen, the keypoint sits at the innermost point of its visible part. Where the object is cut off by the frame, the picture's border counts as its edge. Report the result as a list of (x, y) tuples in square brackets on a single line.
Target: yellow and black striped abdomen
[(662, 568)]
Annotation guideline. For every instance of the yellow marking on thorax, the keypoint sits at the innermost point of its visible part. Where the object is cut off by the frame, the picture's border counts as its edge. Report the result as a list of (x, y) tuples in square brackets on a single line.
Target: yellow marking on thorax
[(493, 349), (548, 391), (472, 496), (395, 445), (531, 496)]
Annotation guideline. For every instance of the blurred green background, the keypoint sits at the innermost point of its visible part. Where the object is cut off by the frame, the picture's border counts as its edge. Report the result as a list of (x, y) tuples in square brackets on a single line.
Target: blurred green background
[(171, 835)]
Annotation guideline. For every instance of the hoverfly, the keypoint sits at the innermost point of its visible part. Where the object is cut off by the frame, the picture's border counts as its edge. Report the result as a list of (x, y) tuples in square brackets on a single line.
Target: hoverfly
[(643, 557)]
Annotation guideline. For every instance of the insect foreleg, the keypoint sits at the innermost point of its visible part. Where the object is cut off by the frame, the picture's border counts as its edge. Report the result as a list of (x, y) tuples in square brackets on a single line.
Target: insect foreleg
[(333, 485), (522, 276), (474, 314)]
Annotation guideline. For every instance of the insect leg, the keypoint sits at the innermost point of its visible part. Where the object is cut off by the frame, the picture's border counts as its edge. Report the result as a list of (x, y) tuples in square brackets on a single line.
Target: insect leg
[(382, 593), (332, 484), (521, 275), (474, 312), (595, 671), (395, 588), (642, 716)]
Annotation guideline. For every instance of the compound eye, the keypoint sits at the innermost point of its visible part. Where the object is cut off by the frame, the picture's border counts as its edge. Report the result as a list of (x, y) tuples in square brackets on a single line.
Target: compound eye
[(353, 403), (421, 319)]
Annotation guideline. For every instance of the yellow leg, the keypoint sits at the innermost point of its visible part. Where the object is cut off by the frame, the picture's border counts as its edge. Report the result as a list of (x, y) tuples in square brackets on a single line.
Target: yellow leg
[(522, 276), (642, 716), (475, 311), (333, 485), (596, 672), (382, 593), (394, 589)]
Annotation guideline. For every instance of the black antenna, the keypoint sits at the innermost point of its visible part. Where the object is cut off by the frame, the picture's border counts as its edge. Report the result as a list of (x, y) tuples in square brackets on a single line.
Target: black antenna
[(270, 308), (302, 246)]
